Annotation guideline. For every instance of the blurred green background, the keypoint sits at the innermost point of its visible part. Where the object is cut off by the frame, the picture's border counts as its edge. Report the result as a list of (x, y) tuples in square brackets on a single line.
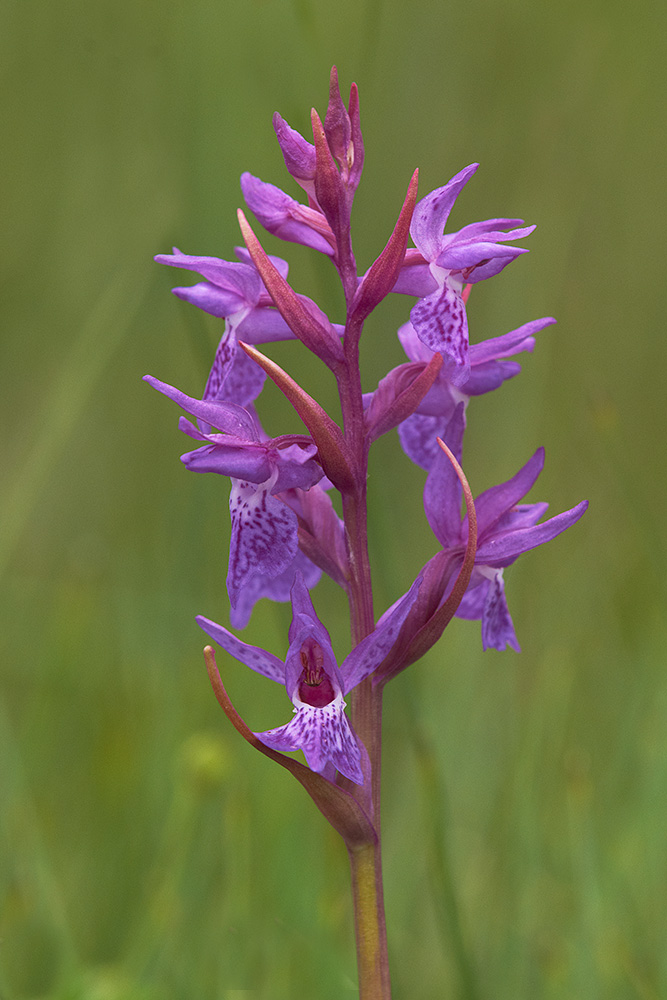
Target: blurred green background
[(145, 851)]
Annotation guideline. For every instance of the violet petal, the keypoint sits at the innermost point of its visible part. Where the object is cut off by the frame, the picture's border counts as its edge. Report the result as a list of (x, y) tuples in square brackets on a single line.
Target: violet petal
[(226, 417), (418, 436), (441, 323), (442, 491), (276, 588), (211, 299), (497, 626), (254, 657), (502, 550), (323, 734), (432, 212), (264, 535), (496, 501), (371, 651), (510, 343)]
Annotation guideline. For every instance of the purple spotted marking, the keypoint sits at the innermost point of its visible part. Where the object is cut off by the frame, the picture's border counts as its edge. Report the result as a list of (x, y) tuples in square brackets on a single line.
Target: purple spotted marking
[(264, 534), (441, 324), (323, 734)]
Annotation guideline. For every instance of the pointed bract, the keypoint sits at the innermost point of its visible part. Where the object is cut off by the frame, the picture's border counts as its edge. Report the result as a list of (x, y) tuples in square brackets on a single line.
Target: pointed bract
[(381, 277), (327, 435), (318, 337)]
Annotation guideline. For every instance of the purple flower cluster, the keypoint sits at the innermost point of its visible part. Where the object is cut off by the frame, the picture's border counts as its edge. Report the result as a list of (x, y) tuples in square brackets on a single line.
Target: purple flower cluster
[(285, 530)]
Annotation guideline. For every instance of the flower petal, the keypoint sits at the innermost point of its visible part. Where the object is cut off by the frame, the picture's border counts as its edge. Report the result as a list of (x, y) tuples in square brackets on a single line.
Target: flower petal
[(231, 276), (275, 588), (463, 258), (441, 323), (254, 657), (510, 343), (371, 651), (262, 325), (211, 299), (241, 462), (264, 535), (418, 436), (432, 212), (472, 604), (285, 217), (489, 376), (497, 626), (234, 377), (298, 153), (226, 417), (323, 734), (495, 502), (442, 491), (504, 549)]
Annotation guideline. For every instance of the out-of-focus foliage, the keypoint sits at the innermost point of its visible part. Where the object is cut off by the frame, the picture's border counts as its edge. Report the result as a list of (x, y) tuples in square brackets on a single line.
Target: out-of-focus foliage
[(145, 852)]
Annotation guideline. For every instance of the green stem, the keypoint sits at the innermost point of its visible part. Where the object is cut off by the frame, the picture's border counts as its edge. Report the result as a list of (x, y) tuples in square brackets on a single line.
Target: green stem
[(370, 928)]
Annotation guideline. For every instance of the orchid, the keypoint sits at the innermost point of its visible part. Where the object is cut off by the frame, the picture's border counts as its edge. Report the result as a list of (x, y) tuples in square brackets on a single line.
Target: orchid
[(233, 290), (506, 529), (315, 683), (488, 371), (298, 501), (443, 263)]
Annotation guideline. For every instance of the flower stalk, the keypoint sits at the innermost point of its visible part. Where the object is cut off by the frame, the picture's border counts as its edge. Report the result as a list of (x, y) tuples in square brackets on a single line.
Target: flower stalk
[(285, 529)]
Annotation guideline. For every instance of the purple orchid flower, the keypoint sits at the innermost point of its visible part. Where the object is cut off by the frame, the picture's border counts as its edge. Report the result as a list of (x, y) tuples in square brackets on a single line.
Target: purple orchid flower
[(286, 218), (264, 550), (506, 529), (233, 290), (442, 263), (488, 371), (316, 684)]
